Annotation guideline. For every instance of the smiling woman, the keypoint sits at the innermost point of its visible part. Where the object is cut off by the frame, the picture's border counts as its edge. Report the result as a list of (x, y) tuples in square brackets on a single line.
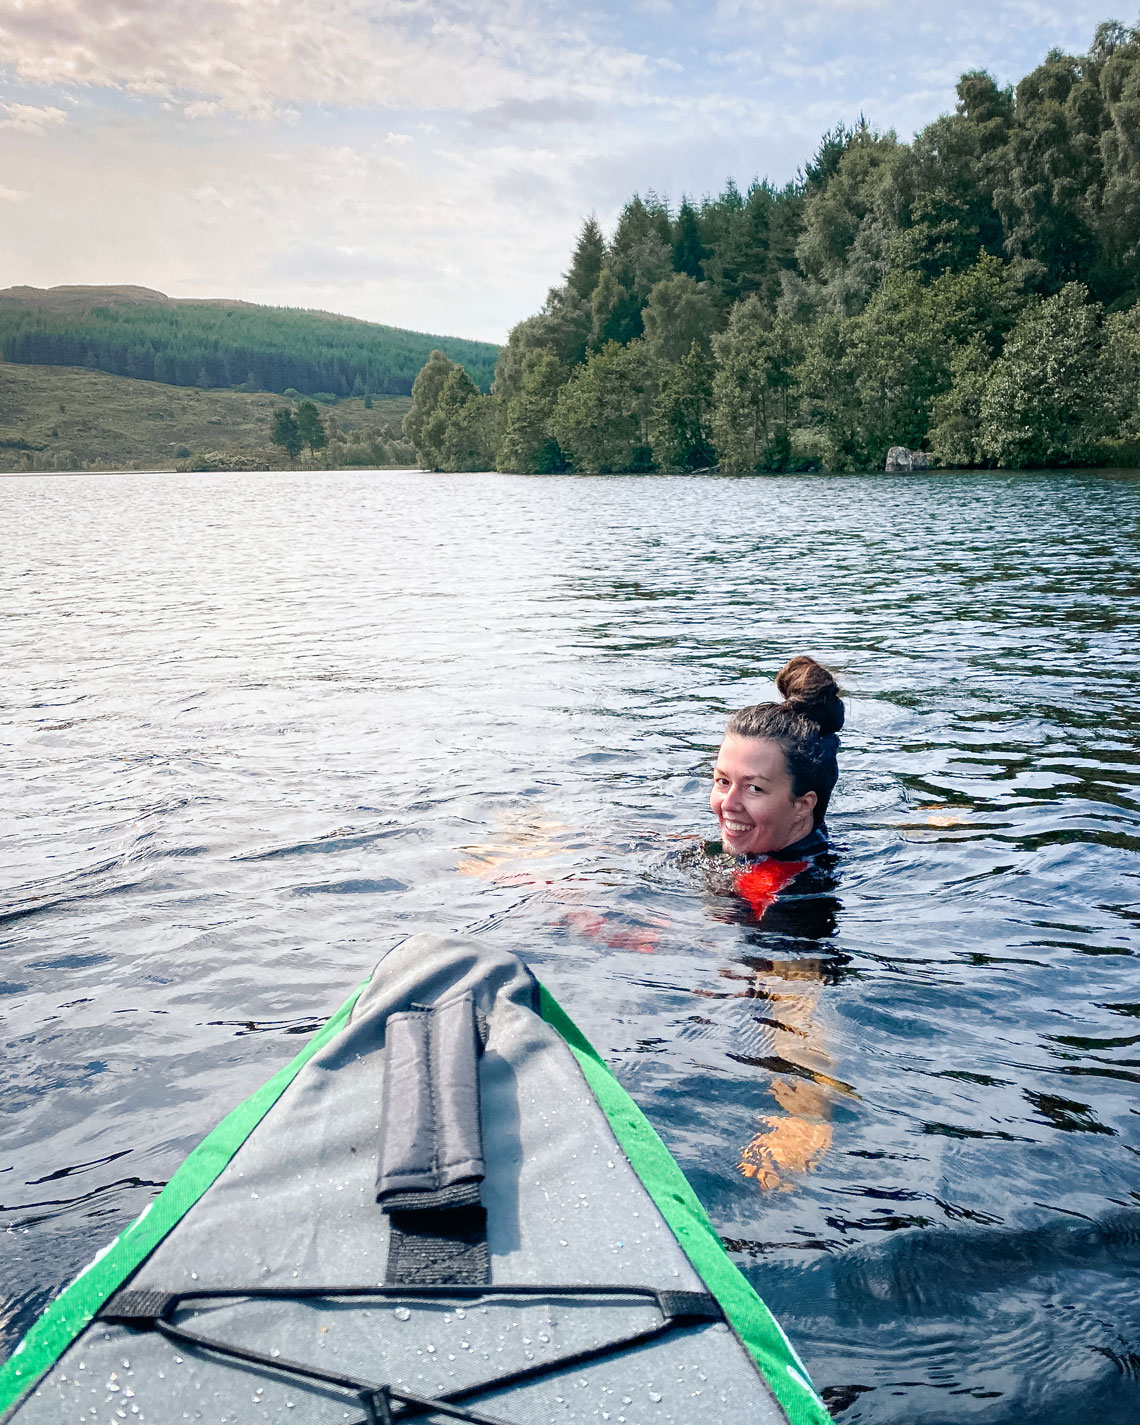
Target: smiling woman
[(777, 766)]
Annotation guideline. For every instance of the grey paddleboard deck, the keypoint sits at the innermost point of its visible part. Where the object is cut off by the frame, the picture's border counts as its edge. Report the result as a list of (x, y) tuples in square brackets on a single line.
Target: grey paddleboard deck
[(314, 1302)]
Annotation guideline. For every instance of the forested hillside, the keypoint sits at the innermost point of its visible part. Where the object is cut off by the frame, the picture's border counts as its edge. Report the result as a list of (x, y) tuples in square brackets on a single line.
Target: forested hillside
[(146, 335), (972, 293)]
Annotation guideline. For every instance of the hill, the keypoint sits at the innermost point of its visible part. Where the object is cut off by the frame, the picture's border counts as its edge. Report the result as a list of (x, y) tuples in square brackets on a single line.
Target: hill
[(69, 418), (146, 335)]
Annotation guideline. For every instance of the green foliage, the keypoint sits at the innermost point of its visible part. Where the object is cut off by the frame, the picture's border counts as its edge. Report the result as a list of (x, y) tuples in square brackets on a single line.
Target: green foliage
[(527, 444), (678, 313), (956, 433), (419, 424), (751, 415), (310, 427), (689, 251), (586, 267), (1045, 401), (450, 425), (286, 432), (1123, 365), (679, 426), (601, 416)]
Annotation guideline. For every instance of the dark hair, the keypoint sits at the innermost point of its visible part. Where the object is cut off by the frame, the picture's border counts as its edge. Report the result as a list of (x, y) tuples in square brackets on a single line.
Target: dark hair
[(804, 724)]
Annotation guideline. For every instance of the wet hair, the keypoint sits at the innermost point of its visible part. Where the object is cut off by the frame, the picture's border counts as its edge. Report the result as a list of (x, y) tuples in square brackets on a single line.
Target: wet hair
[(805, 726)]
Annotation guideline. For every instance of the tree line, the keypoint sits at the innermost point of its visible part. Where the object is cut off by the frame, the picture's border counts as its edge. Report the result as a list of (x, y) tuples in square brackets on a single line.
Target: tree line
[(212, 345), (973, 293)]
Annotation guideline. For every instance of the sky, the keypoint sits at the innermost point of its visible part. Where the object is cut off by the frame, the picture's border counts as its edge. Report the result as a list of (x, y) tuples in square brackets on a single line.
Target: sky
[(428, 163)]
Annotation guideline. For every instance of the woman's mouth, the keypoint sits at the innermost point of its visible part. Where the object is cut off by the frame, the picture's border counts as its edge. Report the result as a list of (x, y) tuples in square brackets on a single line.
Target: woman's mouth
[(735, 828)]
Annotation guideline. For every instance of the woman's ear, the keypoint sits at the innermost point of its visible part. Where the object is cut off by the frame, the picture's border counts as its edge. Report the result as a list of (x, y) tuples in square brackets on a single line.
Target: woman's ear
[(808, 801)]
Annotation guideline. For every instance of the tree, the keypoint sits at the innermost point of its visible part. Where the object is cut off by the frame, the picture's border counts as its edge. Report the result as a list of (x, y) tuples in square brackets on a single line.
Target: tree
[(527, 447), (459, 431), (751, 415), (739, 263), (601, 415), (1052, 177), (586, 266), (843, 226), (614, 317), (679, 429), (310, 427), (1045, 400), (956, 430), (640, 254), (285, 432), (689, 252), (1123, 370), (678, 313), (426, 391)]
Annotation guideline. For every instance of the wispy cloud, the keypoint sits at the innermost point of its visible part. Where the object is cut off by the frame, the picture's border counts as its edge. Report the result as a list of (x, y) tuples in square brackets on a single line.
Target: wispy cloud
[(33, 118), (252, 56)]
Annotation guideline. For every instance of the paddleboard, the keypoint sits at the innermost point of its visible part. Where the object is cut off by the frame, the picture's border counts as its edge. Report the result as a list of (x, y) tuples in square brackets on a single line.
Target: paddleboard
[(445, 1209)]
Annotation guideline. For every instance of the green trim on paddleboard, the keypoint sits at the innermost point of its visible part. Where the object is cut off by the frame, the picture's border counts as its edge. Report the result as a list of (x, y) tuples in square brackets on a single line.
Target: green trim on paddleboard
[(77, 1304), (757, 1328)]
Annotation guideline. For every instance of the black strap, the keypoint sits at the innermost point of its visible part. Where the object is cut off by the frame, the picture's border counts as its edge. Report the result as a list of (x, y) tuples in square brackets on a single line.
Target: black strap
[(438, 1248), (132, 1307)]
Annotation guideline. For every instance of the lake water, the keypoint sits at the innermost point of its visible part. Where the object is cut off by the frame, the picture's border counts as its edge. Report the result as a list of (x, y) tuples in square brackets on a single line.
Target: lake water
[(256, 728)]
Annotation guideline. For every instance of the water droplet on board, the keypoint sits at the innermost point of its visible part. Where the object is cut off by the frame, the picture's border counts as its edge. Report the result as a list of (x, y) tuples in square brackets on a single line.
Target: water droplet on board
[(430, 1349), (402, 1313), (655, 1396)]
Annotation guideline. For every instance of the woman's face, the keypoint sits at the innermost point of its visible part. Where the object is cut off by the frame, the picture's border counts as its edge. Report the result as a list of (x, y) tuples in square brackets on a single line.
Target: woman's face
[(753, 799)]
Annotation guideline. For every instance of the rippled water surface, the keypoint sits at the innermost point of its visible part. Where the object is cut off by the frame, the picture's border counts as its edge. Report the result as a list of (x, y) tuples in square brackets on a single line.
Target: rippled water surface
[(257, 728)]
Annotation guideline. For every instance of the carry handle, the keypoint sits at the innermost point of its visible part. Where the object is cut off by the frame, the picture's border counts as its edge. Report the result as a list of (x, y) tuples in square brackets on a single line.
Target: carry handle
[(431, 1134)]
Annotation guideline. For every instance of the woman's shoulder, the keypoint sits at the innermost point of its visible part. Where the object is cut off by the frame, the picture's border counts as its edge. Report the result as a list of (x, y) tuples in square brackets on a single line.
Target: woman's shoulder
[(807, 847)]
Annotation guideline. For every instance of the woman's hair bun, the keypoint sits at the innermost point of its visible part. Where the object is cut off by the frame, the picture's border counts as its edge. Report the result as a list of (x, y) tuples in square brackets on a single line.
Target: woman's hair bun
[(810, 690)]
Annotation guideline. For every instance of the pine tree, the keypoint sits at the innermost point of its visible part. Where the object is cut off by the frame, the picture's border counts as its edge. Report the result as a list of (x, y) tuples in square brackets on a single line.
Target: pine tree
[(310, 427), (285, 432), (689, 252), (586, 266)]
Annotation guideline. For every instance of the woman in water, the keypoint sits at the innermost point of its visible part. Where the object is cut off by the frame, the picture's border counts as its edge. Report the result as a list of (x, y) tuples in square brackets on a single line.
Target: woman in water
[(773, 779)]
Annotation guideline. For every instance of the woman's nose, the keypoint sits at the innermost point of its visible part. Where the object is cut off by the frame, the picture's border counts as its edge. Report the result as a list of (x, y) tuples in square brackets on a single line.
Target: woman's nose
[(731, 798)]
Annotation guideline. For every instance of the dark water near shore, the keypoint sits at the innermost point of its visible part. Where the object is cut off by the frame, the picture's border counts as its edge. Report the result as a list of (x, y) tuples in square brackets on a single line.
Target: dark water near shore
[(256, 728)]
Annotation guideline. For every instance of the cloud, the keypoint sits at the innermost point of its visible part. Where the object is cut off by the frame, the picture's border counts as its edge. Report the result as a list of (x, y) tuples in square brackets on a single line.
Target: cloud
[(252, 56), (30, 117), (534, 114), (12, 195)]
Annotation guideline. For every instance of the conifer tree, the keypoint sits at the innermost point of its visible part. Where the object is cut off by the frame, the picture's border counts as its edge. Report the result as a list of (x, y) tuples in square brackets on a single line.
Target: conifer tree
[(586, 266), (310, 427), (285, 432), (689, 252)]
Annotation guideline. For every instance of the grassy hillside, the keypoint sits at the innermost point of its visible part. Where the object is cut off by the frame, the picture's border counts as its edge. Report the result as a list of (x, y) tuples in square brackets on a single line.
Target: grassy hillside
[(138, 332), (69, 418)]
